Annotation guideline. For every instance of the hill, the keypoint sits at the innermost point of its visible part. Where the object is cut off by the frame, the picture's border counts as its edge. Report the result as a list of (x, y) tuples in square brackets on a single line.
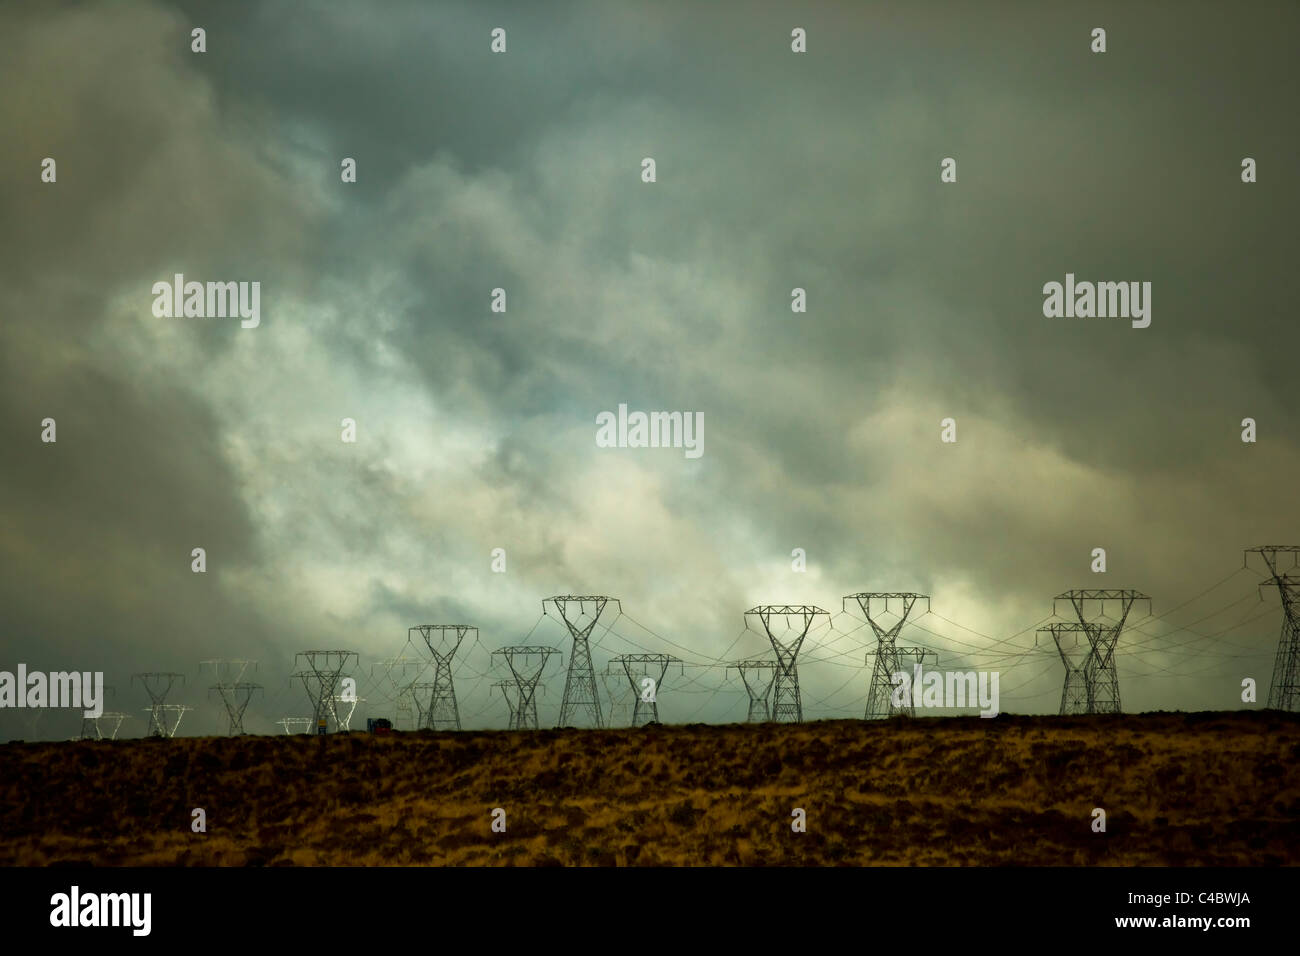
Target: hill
[(1181, 789)]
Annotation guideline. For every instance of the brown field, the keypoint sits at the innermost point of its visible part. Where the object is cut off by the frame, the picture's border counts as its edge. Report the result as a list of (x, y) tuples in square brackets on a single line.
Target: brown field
[(1179, 789)]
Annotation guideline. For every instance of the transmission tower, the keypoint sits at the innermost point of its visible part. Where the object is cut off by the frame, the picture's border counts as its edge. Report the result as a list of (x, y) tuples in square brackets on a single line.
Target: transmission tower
[(757, 686), (526, 663), (919, 654), (1284, 692), (443, 640), (581, 693), (167, 717), (343, 721), (786, 704), (615, 690), (1075, 656), (90, 729), (397, 674), (302, 725), (322, 681), (637, 667), (422, 712), (234, 691), (1100, 675), (158, 685), (505, 686), (880, 697), (114, 720)]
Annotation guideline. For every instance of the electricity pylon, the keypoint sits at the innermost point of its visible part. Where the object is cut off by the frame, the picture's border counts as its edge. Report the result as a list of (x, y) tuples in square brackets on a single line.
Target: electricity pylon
[(343, 721), (1099, 672), (1284, 691), (114, 719), (505, 686), (234, 691), (397, 673), (758, 687), (161, 715), (908, 707), (303, 725), (615, 689), (786, 704), (1074, 694), (526, 663), (422, 712), (639, 668), (90, 729), (443, 640), (580, 690), (880, 696), (322, 681), (158, 684)]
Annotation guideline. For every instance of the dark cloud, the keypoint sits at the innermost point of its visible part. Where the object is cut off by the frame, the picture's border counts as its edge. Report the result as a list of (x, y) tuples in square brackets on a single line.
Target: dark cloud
[(522, 171)]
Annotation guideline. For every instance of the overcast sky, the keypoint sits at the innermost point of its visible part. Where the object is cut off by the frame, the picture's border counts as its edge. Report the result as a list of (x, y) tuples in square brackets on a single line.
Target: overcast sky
[(476, 430)]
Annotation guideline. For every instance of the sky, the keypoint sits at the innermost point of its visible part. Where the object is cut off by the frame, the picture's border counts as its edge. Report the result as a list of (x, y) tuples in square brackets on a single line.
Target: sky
[(476, 430)]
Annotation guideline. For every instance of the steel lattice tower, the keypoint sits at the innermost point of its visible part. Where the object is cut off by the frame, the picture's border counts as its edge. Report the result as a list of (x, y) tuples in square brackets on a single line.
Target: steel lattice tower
[(90, 729), (614, 688), (880, 696), (235, 693), (1284, 691), (443, 640), (757, 687), (322, 681), (422, 712), (303, 723), (786, 704), (647, 708), (505, 686), (160, 715), (581, 693), (158, 685), (1074, 693), (402, 699), (526, 663), (344, 721), (96, 731), (920, 654), (1100, 675)]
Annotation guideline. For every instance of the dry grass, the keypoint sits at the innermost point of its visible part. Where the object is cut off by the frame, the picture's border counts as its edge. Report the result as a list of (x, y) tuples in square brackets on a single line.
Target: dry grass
[(1220, 789)]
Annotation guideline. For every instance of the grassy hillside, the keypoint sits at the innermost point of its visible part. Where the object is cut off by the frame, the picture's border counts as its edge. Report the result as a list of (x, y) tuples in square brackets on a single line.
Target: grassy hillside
[(1220, 788)]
